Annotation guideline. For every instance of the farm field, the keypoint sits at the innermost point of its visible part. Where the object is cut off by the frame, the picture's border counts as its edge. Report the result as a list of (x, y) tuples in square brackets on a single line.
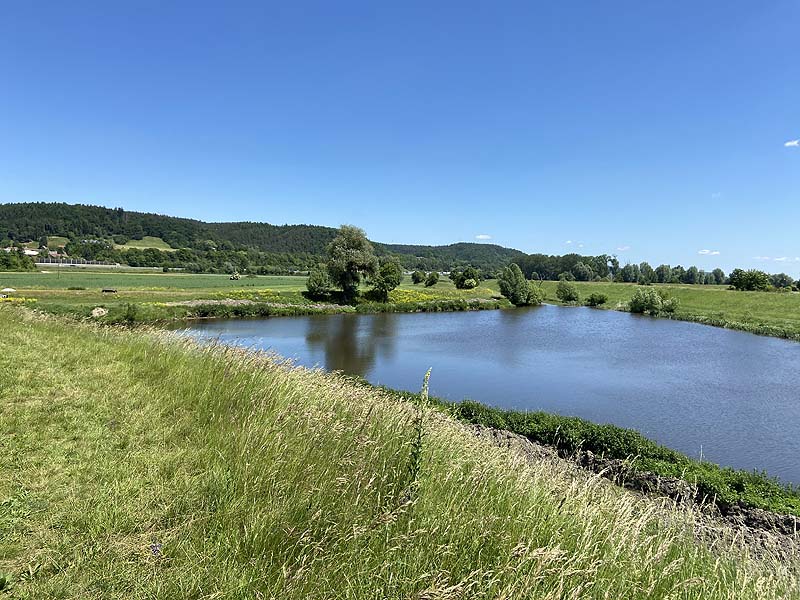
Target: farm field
[(78, 292), (147, 241)]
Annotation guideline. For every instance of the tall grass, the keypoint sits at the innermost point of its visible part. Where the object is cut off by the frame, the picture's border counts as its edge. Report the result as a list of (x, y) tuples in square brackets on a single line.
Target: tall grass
[(142, 466)]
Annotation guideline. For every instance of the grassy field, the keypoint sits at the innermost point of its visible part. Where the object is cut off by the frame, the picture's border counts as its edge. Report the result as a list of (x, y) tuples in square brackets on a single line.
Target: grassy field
[(768, 313), (78, 292), (147, 241), (56, 241), (139, 466)]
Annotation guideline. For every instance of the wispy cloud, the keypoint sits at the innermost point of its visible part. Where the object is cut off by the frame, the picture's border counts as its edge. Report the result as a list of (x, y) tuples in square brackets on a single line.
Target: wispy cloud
[(792, 144), (708, 252), (778, 258), (568, 242), (483, 236), (716, 195), (623, 248)]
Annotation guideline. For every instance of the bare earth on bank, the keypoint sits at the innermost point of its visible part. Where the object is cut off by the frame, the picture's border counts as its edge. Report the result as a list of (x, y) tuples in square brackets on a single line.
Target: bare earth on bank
[(140, 466)]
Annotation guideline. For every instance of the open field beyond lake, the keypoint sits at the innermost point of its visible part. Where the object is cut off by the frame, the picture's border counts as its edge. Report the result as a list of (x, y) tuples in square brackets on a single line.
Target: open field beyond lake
[(172, 471), (768, 313)]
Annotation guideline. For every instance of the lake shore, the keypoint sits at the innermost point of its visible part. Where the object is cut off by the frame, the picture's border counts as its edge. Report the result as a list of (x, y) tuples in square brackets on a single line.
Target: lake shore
[(166, 297)]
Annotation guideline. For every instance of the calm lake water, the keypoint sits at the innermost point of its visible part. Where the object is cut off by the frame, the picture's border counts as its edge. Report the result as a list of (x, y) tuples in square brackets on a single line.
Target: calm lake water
[(732, 396)]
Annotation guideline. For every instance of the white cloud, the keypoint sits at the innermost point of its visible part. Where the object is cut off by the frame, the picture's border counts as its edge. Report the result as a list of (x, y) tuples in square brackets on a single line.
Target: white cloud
[(761, 258), (580, 244), (623, 248), (483, 236), (792, 144), (708, 252), (568, 242), (782, 259)]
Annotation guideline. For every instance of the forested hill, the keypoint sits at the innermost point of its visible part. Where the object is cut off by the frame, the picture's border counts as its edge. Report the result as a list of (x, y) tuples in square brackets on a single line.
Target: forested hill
[(278, 247)]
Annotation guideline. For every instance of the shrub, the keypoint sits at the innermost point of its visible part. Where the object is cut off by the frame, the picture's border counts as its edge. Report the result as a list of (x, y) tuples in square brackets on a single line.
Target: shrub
[(518, 290), (466, 278), (513, 285), (567, 292), (417, 277), (566, 276), (389, 276), (432, 279), (652, 302), (751, 280), (318, 282), (596, 299)]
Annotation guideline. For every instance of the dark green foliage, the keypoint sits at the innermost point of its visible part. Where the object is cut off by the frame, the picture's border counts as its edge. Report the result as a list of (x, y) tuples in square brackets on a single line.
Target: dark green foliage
[(350, 259), (15, 261), (465, 278), (449, 305), (432, 279), (566, 276), (596, 299), (692, 276), (518, 290), (628, 274), (583, 272), (781, 280), (542, 266), (319, 283), (389, 276), (663, 274), (719, 276), (647, 274), (417, 277), (751, 280), (567, 291), (652, 302)]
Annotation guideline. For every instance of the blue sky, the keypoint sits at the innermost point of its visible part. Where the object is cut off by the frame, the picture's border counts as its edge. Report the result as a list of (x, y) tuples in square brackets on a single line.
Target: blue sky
[(651, 130)]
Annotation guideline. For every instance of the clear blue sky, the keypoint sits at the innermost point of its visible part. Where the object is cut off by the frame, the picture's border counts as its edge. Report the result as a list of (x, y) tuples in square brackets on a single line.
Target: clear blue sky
[(651, 130)]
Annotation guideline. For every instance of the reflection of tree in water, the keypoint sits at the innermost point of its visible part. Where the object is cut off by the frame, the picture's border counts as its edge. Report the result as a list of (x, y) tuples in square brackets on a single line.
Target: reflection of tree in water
[(352, 343)]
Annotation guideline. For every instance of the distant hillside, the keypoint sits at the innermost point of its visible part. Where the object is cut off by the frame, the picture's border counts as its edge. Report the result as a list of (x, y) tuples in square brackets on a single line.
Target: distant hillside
[(275, 247)]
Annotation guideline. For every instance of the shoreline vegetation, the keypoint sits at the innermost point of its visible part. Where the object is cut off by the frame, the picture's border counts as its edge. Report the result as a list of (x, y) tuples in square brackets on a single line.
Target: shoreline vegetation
[(173, 469), (629, 458), (154, 298)]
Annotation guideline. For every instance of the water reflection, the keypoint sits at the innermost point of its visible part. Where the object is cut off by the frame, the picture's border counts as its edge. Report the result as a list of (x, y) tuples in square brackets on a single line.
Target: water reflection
[(352, 343)]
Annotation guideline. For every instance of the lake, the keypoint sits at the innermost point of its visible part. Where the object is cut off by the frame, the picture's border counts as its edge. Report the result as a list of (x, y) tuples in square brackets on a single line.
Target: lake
[(730, 397)]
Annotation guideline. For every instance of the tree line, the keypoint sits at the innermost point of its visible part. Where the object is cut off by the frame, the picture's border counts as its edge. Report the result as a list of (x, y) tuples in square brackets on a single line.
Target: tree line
[(95, 230)]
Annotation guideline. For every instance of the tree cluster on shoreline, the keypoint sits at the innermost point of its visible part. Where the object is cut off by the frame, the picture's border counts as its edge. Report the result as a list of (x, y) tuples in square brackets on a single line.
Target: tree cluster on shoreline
[(351, 260)]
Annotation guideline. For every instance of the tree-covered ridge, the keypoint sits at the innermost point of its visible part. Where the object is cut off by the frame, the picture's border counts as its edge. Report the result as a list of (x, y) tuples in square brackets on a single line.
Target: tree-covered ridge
[(94, 230)]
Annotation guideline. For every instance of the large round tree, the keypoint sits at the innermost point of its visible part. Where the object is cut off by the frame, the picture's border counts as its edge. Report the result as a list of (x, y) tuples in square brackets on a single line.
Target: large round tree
[(350, 259)]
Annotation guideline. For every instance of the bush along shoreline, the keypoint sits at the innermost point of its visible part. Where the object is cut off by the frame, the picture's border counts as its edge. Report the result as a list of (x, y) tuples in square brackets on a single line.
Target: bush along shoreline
[(155, 313), (631, 460)]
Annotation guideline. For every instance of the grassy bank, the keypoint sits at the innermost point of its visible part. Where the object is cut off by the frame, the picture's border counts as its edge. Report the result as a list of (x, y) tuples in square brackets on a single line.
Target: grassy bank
[(723, 486), (764, 313), (139, 466)]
